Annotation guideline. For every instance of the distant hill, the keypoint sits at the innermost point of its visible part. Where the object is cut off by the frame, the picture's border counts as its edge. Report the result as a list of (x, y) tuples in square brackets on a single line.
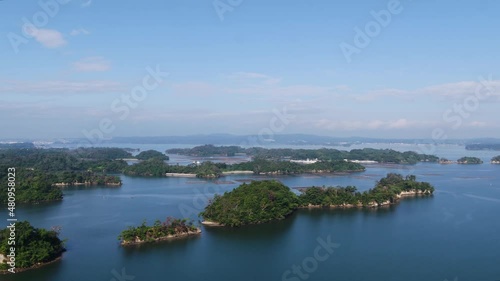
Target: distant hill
[(279, 139), (16, 145), (483, 146)]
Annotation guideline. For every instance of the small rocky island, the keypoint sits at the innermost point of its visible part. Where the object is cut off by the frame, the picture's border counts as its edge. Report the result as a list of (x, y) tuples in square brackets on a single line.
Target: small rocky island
[(469, 160), (170, 229), (495, 160), (31, 248), (264, 201)]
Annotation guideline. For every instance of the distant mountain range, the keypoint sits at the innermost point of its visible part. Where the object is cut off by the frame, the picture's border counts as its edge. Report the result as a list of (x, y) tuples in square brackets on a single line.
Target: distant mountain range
[(255, 140), (288, 139)]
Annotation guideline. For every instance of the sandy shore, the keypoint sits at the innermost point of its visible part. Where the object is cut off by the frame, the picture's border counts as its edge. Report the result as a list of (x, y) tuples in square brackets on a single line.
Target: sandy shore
[(238, 173), (211, 223), (180, 175)]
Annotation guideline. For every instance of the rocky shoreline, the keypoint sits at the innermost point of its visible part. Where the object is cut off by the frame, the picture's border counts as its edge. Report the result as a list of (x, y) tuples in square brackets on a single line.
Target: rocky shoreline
[(138, 241), (38, 265), (211, 223), (371, 204), (87, 183)]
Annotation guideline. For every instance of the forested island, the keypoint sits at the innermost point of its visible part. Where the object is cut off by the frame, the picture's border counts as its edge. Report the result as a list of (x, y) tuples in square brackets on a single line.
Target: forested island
[(253, 203), (323, 154), (34, 247), (469, 160), (151, 154), (263, 201), (31, 187), (171, 228), (258, 166), (495, 160), (40, 172)]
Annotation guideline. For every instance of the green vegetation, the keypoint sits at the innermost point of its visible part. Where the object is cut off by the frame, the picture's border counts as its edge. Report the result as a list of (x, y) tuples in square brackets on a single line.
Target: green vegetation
[(483, 146), (57, 160), (257, 202), (150, 168), (101, 153), (33, 245), (208, 170), (150, 154), (496, 159), (263, 166), (157, 168), (31, 187), (37, 170), (324, 154), (85, 178), (263, 201), (172, 227), (469, 160), (387, 191), (16, 145), (208, 150)]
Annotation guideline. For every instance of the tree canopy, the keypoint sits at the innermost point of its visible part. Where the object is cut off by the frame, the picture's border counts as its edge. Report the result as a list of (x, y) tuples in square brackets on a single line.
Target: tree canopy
[(324, 154), (469, 160), (33, 245), (263, 201), (257, 202), (144, 233), (37, 170), (150, 154)]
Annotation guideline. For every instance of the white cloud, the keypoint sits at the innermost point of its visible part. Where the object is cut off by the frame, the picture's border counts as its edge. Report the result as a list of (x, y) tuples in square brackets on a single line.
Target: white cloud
[(254, 77), (91, 64), (351, 125), (49, 38), (79, 31), (476, 124), (86, 3), (482, 87)]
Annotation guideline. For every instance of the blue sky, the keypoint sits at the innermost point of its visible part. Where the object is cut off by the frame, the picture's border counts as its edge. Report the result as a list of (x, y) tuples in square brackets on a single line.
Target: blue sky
[(428, 67)]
